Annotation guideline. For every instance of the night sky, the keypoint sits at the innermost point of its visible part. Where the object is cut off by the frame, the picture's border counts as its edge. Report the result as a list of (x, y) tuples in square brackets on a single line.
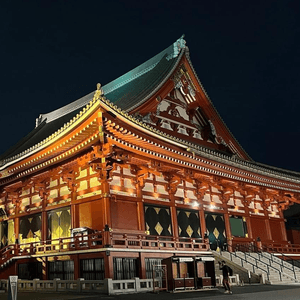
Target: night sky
[(246, 54)]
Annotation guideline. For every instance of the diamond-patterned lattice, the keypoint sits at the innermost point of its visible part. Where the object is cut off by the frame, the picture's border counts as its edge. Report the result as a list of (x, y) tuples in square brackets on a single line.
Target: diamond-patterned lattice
[(215, 226), (4, 233), (30, 235), (157, 209), (188, 223), (158, 228), (59, 223), (216, 233), (4, 240), (189, 231), (158, 220), (29, 226)]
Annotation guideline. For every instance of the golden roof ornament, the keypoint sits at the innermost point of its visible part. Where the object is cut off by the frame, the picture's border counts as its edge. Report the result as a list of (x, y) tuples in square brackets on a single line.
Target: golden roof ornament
[(98, 92)]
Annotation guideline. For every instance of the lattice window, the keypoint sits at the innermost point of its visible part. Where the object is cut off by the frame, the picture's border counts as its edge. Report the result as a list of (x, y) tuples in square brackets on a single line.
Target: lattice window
[(61, 269), (92, 269), (125, 268), (149, 263)]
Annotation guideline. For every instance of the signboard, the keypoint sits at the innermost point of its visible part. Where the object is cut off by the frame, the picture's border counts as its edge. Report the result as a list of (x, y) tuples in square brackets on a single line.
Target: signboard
[(207, 259), (185, 259), (12, 288)]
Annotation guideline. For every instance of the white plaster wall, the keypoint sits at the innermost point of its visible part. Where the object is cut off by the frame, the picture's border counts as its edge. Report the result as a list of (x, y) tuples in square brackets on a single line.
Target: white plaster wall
[(207, 198)]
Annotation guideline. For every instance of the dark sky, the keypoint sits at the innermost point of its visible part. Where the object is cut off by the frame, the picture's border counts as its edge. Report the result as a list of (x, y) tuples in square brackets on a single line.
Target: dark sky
[(246, 54)]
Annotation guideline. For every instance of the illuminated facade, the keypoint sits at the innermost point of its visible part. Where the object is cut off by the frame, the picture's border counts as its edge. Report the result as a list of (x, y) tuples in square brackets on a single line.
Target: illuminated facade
[(141, 170)]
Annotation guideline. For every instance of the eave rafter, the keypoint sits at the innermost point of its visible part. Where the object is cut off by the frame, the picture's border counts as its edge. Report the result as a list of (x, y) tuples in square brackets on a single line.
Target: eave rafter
[(121, 135), (251, 173)]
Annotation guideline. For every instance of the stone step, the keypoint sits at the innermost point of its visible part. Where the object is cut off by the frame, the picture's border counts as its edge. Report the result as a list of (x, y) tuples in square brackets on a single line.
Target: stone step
[(287, 275)]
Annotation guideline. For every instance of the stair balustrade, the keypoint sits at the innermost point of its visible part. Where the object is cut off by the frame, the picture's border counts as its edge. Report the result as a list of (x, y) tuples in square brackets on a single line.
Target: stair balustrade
[(243, 261), (271, 258)]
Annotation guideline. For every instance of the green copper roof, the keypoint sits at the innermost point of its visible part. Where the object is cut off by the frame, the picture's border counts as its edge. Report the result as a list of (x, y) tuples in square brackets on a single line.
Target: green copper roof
[(169, 53), (135, 92)]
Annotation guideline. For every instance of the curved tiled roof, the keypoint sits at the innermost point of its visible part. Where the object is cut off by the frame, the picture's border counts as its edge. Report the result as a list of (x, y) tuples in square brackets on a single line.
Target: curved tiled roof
[(41, 132), (126, 92), (144, 77), (134, 93)]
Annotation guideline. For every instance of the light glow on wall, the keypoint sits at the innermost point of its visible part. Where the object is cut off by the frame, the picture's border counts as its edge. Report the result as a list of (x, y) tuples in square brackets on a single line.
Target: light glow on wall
[(212, 205)]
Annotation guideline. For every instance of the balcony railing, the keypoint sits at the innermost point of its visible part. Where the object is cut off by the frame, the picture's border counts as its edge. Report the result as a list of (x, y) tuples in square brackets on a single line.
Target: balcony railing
[(105, 239), (266, 247)]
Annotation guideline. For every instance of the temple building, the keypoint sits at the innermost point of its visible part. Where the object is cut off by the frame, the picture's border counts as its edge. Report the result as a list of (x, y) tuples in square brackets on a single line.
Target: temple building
[(139, 172)]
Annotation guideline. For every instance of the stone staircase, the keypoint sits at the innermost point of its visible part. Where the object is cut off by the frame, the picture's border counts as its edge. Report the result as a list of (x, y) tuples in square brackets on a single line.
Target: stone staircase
[(285, 267), (273, 269)]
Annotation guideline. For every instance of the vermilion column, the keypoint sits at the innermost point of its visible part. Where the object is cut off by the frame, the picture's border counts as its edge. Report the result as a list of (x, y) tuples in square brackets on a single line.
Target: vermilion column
[(228, 229), (17, 220), (202, 221), (141, 215), (248, 221), (283, 231), (106, 203), (140, 205), (76, 266), (74, 215), (17, 228), (44, 226), (173, 215), (268, 228)]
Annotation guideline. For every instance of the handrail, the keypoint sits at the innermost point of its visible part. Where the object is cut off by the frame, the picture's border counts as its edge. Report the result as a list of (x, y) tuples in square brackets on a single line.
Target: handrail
[(234, 253), (288, 259), (255, 249), (260, 252)]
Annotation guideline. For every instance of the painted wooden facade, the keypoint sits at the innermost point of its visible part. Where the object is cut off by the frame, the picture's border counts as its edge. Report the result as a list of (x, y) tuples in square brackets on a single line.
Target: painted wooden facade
[(147, 166)]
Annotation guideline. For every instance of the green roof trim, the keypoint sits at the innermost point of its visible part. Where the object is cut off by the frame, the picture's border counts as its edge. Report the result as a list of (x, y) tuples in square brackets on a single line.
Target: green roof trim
[(170, 53)]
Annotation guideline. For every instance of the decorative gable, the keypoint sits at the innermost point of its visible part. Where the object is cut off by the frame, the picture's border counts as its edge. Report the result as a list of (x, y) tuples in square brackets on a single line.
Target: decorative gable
[(176, 114), (181, 108)]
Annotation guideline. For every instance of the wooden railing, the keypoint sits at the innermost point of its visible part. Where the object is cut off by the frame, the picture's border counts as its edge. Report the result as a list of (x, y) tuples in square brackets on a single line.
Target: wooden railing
[(266, 247), (281, 248), (105, 239), (139, 241)]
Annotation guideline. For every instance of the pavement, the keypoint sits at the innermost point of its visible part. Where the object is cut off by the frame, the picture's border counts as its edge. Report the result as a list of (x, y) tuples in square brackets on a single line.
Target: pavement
[(265, 292)]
